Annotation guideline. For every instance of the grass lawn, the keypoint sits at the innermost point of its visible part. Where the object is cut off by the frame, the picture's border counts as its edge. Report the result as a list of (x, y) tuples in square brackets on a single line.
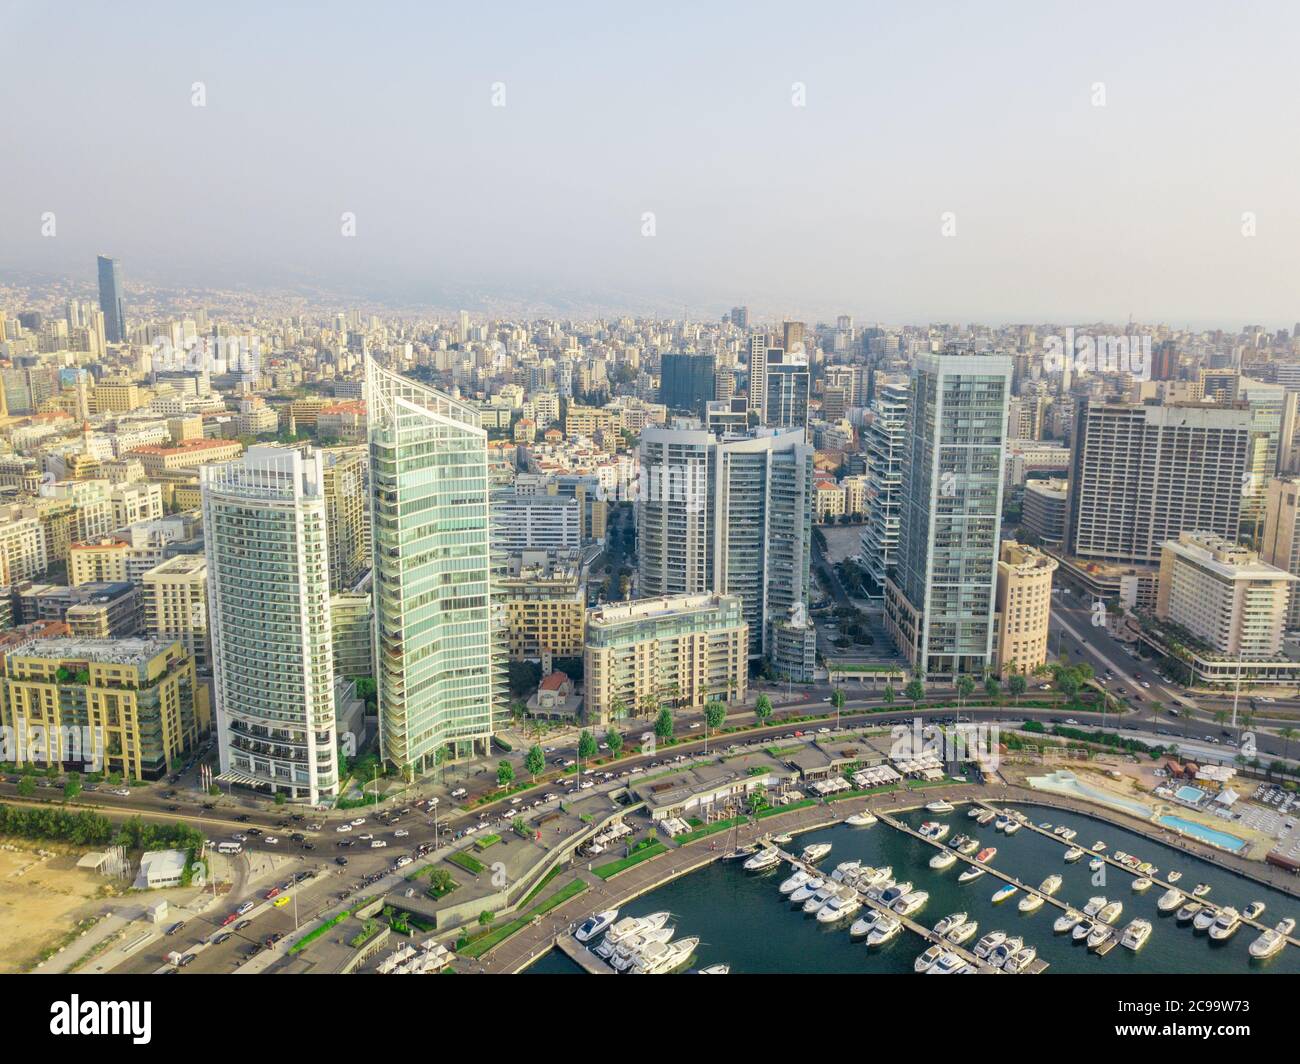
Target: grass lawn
[(467, 862), (486, 940), (607, 871)]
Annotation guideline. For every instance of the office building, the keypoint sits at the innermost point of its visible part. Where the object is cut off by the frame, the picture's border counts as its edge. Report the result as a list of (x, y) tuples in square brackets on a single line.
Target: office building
[(1043, 510), (686, 381), (111, 300), (1280, 541), (885, 442), (788, 382), (536, 522)]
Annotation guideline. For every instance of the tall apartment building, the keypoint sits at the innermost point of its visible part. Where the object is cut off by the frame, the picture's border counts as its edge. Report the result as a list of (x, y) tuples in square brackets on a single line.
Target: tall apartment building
[(682, 650), (347, 516), (1143, 474), (175, 597), (268, 599), (757, 363), (1024, 607), (1280, 542), (544, 603), (22, 546), (111, 300), (536, 522), (788, 384), (438, 653), (732, 516), (885, 442), (1224, 595), (939, 602), (686, 381), (1044, 510), (351, 615)]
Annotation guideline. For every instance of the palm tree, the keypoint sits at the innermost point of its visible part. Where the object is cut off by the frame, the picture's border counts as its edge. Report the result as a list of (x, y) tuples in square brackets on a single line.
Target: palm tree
[(1287, 734), (965, 688), (837, 700)]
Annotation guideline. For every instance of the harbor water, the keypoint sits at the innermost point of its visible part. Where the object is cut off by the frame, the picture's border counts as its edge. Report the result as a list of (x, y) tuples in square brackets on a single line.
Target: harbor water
[(742, 920)]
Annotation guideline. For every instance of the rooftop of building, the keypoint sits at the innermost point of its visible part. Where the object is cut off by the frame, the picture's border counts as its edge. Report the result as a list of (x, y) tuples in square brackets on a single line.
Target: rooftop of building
[(99, 651), (1225, 559)]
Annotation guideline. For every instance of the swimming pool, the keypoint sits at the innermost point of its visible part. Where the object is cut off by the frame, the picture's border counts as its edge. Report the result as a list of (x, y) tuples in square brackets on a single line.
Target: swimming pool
[(1220, 839), (1190, 795)]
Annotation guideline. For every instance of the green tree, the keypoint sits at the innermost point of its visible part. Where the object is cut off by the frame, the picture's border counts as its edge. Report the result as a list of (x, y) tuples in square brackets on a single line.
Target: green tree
[(992, 688), (763, 709), (888, 694), (618, 709), (486, 917), (914, 691), (587, 745), (505, 773), (26, 786), (535, 762), (73, 787), (664, 724), (1016, 684), (1286, 734), (614, 740), (837, 700), (965, 688)]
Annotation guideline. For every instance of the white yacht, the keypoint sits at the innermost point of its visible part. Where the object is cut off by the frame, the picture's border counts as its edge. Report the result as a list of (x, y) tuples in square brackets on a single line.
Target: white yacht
[(1098, 846), (1109, 913), (1201, 889), (863, 926), (1141, 886), (886, 928), (871, 877), (648, 957), (846, 871), (863, 819), (783, 839), (1100, 935), (1082, 930), (1050, 885), (989, 943), (1004, 951), (789, 886), (974, 812), (963, 932), (928, 958), (1000, 824), (672, 956), (1073, 854), (1031, 903), (595, 925), (973, 872), (1204, 920), (627, 952), (1253, 910), (1004, 892), (1272, 941), (1068, 834), (818, 899), (911, 902), (1170, 900), (939, 805), (1174, 877), (1136, 934), (1225, 924), (1094, 906), (1066, 921), (1096, 864), (762, 861), (987, 816), (716, 969), (806, 890), (1188, 911), (815, 852), (1012, 827), (949, 963), (891, 894), (840, 907), (966, 847), (949, 922), (943, 860), (1020, 960), (629, 926)]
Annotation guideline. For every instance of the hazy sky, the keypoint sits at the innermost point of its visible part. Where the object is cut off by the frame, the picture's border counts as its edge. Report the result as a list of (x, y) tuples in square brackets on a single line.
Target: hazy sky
[(1064, 210)]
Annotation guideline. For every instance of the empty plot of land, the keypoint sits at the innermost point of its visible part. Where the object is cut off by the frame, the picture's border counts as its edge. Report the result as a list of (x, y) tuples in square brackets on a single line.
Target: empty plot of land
[(41, 899)]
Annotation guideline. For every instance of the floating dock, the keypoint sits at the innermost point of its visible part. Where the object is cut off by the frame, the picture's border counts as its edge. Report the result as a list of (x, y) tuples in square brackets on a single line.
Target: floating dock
[(582, 956)]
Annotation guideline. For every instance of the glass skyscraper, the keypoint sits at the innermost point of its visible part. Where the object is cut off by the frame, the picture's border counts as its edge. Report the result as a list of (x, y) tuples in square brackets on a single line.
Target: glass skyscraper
[(438, 646), (111, 301)]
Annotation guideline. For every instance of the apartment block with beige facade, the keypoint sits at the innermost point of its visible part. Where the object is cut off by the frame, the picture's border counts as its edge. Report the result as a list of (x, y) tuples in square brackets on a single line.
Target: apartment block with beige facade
[(543, 596), (1224, 595), (680, 650), (1280, 543), (176, 605), (1024, 607)]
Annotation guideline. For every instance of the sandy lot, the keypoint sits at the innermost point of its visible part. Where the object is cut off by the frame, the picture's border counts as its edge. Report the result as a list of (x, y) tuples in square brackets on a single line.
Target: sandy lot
[(41, 899)]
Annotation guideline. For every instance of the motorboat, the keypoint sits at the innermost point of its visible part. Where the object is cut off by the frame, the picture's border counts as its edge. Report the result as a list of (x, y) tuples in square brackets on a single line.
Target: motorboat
[(967, 848), (1059, 830), (840, 907), (595, 925), (874, 892), (716, 969), (629, 926), (789, 886), (1066, 921), (986, 817), (1096, 864), (1109, 913), (669, 958), (1020, 961), (911, 902), (1012, 827), (928, 958), (1068, 834), (987, 854), (1136, 934), (1204, 920), (810, 887), (1001, 822), (1004, 892), (1073, 854), (940, 805), (762, 861), (815, 852), (1174, 877), (1170, 900), (818, 899), (864, 924), (886, 928), (943, 860), (627, 953), (1188, 911), (784, 839), (863, 819), (1044, 827), (1272, 941), (949, 963), (988, 943), (949, 922), (845, 871), (1141, 886), (1031, 903), (871, 877), (1094, 906), (974, 872), (1253, 910), (974, 812), (963, 932), (1201, 889), (1082, 930), (1004, 951), (935, 829), (1100, 935), (1225, 924), (1050, 885), (1098, 846), (891, 894)]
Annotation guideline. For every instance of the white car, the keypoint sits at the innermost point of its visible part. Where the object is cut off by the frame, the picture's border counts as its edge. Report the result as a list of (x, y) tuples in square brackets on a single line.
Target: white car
[(1145, 684), (271, 839), (459, 792), (366, 837), (358, 822), (400, 833), (378, 844), (402, 862), (343, 827)]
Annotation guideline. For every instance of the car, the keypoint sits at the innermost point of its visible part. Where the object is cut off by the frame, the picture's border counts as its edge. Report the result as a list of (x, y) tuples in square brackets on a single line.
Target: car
[(174, 927), (695, 725), (271, 940), (245, 909), (243, 818), (255, 831), (378, 844), (225, 936), (241, 925), (298, 836), (209, 806), (281, 901), (239, 836), (1145, 684), (271, 840), (400, 833), (343, 844), (459, 792), (308, 846), (1070, 720), (358, 822), (302, 877), (340, 860), (343, 827), (171, 808), (230, 919), (189, 958), (402, 862)]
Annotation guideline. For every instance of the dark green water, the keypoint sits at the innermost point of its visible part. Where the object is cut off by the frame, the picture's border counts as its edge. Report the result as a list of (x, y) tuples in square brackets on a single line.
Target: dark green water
[(742, 920)]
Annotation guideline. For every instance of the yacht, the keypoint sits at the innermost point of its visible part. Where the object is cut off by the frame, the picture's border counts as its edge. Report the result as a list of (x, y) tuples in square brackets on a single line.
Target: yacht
[(1226, 924), (595, 925), (1012, 827), (1082, 930), (987, 854), (1170, 900), (871, 877), (1136, 934), (962, 932), (1141, 886), (627, 953), (974, 812), (1174, 877), (988, 943), (1094, 906), (939, 805), (1004, 892), (673, 956), (1066, 921), (1100, 935), (1253, 910), (1059, 830), (967, 848), (1110, 913), (986, 817), (1068, 834), (949, 922), (1020, 960), (863, 819), (629, 926), (1098, 846), (1188, 911), (1050, 885), (762, 861), (973, 872), (1204, 920), (840, 907), (1271, 942), (1004, 951), (886, 928), (943, 860), (864, 925), (649, 957), (818, 899), (1073, 854), (805, 891), (949, 963), (1201, 890), (846, 871), (1096, 864), (1031, 903), (911, 902), (781, 840), (1001, 823), (716, 969), (935, 829), (891, 894), (814, 853), (927, 959), (789, 886)]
